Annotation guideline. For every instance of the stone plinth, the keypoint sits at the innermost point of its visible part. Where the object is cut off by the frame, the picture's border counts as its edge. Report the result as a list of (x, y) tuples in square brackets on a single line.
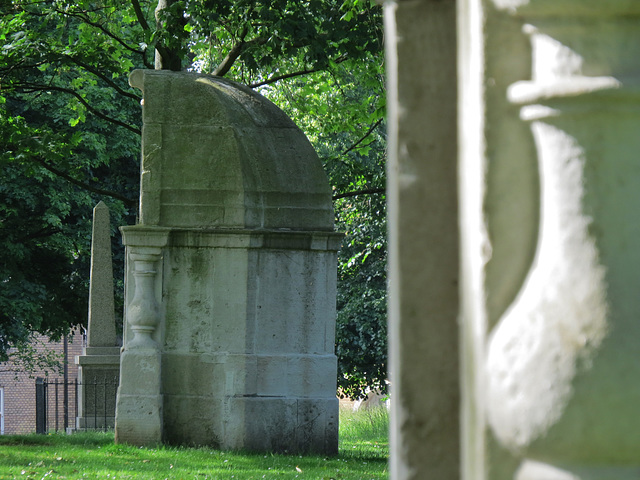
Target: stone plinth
[(97, 385), (245, 282)]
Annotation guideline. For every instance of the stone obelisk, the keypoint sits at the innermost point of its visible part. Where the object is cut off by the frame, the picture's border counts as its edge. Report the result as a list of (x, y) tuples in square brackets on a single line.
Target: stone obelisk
[(100, 364)]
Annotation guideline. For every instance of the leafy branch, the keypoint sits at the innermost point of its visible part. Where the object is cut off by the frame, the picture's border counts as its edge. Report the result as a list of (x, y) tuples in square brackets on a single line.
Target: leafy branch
[(371, 191), (127, 201), (235, 53), (29, 87), (363, 138), (140, 15), (285, 76), (103, 77), (300, 73), (85, 19)]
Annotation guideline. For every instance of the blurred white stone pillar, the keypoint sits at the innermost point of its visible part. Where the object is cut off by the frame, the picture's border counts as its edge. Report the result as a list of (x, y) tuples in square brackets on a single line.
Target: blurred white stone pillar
[(499, 205), (423, 236), (563, 363)]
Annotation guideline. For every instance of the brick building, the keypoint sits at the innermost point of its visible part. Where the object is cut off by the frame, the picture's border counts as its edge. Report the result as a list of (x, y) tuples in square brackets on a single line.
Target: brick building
[(18, 390)]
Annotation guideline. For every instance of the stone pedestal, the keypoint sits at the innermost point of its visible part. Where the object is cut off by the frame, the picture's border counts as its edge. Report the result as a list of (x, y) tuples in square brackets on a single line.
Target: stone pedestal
[(562, 364), (239, 348), (97, 385)]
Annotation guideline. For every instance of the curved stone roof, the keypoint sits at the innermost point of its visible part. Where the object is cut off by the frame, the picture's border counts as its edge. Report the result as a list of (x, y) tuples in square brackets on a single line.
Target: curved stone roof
[(216, 154)]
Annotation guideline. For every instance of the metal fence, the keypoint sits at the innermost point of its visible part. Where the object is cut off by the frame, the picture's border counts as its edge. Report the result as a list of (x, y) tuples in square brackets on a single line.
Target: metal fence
[(72, 405)]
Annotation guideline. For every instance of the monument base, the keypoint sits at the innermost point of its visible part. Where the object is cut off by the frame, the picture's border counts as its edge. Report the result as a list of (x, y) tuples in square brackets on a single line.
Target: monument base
[(286, 425), (139, 420), (98, 378), (139, 399)]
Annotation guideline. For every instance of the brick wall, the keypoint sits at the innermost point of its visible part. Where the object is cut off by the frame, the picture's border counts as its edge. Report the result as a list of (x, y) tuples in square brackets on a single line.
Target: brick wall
[(20, 391)]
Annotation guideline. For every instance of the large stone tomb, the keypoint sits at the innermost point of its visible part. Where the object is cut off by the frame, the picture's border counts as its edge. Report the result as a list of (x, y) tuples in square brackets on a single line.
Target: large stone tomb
[(230, 276)]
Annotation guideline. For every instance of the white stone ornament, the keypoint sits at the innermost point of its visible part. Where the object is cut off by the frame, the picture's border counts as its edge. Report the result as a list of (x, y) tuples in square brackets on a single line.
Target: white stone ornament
[(563, 368)]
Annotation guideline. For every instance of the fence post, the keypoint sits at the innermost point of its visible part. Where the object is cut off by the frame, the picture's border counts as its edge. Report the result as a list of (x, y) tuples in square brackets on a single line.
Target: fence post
[(41, 406), (57, 416)]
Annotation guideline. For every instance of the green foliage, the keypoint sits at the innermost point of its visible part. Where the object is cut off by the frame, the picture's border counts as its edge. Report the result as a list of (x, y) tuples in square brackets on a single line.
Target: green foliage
[(361, 329), (70, 125), (68, 140), (276, 36)]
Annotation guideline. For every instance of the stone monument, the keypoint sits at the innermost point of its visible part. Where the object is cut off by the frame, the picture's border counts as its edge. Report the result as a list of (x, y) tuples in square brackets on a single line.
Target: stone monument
[(99, 366), (231, 276)]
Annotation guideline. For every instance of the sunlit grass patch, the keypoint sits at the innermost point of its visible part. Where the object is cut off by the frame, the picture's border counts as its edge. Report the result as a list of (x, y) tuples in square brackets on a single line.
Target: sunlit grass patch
[(365, 433), (363, 455)]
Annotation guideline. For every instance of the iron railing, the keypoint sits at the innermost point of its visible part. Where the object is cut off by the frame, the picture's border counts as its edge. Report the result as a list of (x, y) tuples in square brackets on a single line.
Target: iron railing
[(72, 405)]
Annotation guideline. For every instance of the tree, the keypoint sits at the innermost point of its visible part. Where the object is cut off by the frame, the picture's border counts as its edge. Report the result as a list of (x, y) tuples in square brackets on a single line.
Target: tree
[(62, 95), (70, 126)]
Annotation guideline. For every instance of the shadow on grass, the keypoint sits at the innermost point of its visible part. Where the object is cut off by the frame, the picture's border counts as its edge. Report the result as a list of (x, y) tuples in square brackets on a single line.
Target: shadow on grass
[(95, 439)]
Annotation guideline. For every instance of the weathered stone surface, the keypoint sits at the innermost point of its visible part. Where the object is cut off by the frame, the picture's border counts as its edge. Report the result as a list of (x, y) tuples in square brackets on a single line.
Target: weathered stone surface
[(423, 242), (289, 424), (98, 383), (548, 246), (549, 253), (237, 208), (102, 325), (139, 404), (216, 154), (563, 377)]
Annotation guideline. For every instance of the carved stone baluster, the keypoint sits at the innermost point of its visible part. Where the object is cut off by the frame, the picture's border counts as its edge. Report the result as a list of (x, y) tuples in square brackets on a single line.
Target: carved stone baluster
[(143, 313), (139, 401), (563, 368)]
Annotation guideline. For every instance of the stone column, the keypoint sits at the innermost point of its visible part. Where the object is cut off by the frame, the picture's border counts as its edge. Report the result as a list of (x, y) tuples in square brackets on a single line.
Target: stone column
[(139, 400), (562, 364), (99, 366), (423, 239)]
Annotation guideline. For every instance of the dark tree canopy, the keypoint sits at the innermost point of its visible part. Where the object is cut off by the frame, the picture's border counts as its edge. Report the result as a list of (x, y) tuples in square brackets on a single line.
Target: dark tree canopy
[(70, 127)]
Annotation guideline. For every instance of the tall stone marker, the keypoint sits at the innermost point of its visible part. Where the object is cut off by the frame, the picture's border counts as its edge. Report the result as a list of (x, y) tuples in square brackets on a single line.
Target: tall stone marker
[(100, 364), (231, 276)]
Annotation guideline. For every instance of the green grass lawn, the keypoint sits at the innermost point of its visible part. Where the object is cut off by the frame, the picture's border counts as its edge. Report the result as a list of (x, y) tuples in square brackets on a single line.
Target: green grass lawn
[(364, 451)]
